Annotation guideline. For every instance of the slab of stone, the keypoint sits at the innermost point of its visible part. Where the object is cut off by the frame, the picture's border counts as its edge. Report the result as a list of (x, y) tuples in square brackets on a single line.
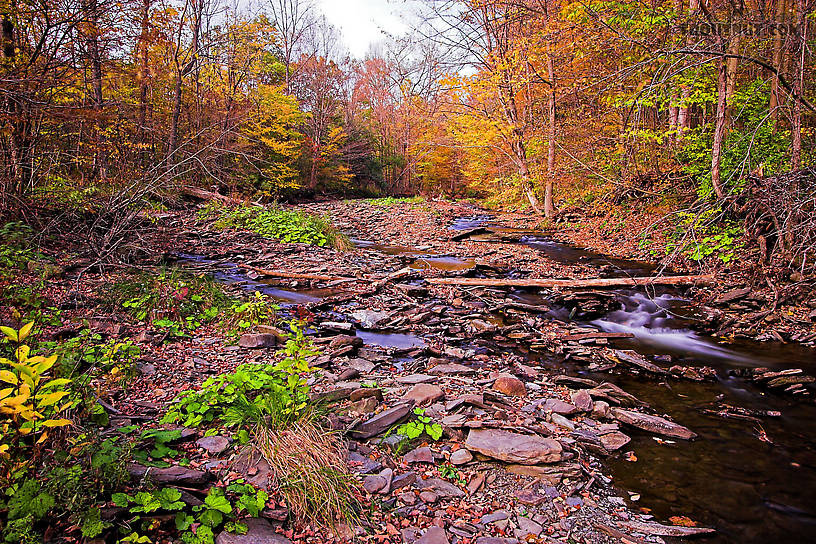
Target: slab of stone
[(461, 457), (171, 475), (558, 406), (374, 483), (514, 447), (382, 421), (258, 340), (614, 440), (259, 531), (434, 535), (213, 444), (527, 527), (652, 424), (450, 369), (413, 379), (423, 394), (443, 488), (419, 455), (582, 400)]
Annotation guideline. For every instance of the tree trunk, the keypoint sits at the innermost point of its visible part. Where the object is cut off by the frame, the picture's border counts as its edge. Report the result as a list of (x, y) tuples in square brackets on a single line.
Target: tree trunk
[(798, 87), (95, 57), (726, 75), (549, 209), (143, 73), (775, 100)]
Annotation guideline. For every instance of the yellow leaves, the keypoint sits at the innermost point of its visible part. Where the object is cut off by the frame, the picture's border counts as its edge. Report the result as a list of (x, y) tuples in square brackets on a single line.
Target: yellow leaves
[(24, 331), (10, 334), (56, 422), (8, 377)]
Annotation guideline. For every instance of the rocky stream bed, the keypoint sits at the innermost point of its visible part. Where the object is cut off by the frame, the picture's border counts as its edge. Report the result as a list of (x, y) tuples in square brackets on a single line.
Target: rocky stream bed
[(567, 416)]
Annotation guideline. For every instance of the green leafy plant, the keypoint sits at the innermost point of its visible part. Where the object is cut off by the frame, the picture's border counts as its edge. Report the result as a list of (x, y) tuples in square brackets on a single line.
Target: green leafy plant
[(290, 226), (450, 472), (419, 425), (245, 316)]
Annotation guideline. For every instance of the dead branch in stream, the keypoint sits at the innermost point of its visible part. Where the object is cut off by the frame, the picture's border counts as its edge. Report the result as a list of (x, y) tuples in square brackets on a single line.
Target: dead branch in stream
[(299, 275), (572, 284)]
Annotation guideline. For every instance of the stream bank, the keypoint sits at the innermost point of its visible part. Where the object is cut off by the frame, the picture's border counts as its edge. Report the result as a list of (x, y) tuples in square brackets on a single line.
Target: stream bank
[(751, 439)]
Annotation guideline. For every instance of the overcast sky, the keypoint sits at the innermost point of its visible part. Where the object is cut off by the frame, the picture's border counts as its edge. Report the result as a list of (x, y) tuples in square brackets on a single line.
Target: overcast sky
[(362, 22)]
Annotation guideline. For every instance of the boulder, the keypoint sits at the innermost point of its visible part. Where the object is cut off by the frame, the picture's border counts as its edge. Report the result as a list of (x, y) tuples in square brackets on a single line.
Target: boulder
[(582, 400), (514, 447), (461, 456), (653, 424)]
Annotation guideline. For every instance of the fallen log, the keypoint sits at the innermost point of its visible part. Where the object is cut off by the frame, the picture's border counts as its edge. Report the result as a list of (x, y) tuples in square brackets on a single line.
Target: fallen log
[(298, 275), (571, 284)]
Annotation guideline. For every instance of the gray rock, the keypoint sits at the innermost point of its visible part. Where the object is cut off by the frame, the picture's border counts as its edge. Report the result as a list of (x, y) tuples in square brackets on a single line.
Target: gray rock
[(561, 421), (600, 409), (653, 424), (419, 455), (171, 475), (582, 400), (527, 527), (513, 447), (362, 464), (493, 517), (614, 440), (213, 444), (413, 379), (370, 318), (258, 340), (403, 480), (450, 369), (423, 394), (434, 535), (495, 540), (373, 483), (441, 487), (461, 456), (382, 421), (558, 407), (259, 531)]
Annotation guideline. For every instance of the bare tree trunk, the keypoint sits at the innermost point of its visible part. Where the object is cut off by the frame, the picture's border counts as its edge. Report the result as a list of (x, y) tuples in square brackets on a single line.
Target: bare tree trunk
[(798, 87), (91, 9), (549, 209), (726, 75), (143, 72), (182, 72), (779, 20)]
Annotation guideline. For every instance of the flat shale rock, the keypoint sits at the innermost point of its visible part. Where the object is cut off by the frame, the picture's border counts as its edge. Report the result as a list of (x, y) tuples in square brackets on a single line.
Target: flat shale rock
[(513, 447), (419, 455), (614, 440), (171, 475), (558, 406), (434, 535), (413, 379), (423, 394), (213, 444), (461, 456), (382, 421), (510, 386), (450, 369), (442, 488), (259, 531), (256, 341), (653, 424), (666, 530), (582, 400)]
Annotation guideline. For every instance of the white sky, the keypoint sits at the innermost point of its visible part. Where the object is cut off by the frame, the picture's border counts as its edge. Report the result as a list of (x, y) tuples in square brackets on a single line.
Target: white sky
[(362, 22)]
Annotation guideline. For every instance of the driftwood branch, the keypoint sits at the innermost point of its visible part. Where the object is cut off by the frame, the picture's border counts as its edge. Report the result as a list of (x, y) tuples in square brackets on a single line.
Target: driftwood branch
[(573, 284), (298, 275)]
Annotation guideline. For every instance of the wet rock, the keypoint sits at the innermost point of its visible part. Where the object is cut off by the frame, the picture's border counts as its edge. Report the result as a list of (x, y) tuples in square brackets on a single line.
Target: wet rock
[(653, 424), (461, 457), (666, 530), (258, 340), (423, 394), (510, 385), (614, 394), (419, 455), (582, 400), (549, 474), (175, 475), (614, 440), (259, 531), (213, 444), (450, 369), (382, 421), (513, 447), (434, 535), (370, 318)]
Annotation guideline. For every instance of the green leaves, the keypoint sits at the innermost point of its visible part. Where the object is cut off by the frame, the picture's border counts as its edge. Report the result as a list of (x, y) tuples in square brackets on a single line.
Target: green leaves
[(421, 424)]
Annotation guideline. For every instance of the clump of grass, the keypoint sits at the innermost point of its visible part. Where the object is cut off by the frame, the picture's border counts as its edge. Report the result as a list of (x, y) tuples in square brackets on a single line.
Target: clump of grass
[(308, 465), (290, 226)]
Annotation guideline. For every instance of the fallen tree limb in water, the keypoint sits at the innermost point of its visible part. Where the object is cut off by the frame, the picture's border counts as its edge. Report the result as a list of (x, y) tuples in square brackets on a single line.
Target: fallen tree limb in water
[(299, 275), (578, 284)]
